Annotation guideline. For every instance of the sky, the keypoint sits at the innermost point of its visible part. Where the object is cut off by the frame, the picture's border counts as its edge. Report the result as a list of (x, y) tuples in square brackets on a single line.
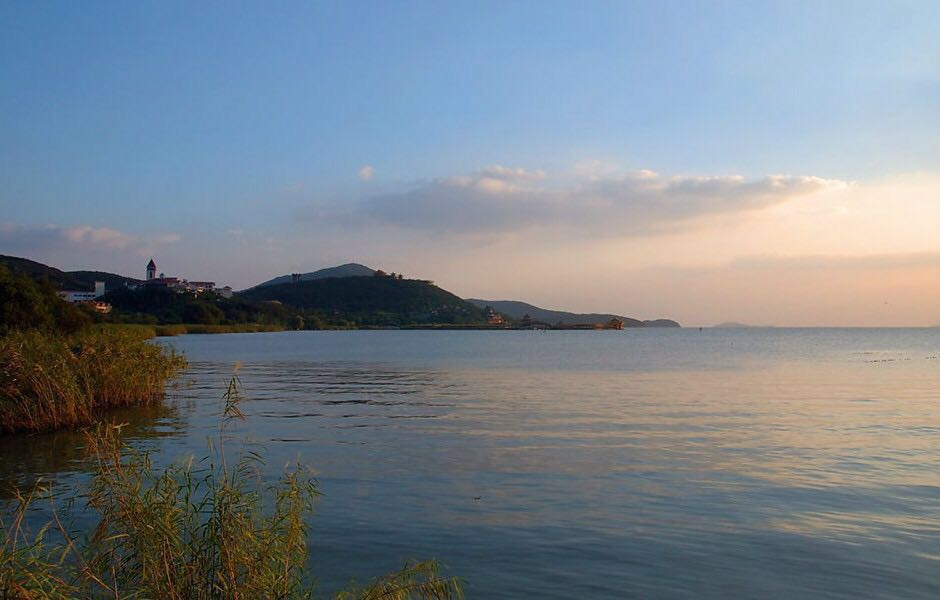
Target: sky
[(773, 163)]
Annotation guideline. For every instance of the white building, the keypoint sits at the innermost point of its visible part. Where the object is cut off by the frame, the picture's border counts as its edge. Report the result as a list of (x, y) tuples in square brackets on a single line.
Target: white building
[(82, 296), (77, 296), (200, 286)]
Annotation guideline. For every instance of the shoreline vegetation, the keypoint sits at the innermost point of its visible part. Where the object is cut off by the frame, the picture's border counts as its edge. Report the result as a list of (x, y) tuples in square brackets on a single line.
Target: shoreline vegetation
[(58, 369), (52, 381), (195, 530), (197, 329)]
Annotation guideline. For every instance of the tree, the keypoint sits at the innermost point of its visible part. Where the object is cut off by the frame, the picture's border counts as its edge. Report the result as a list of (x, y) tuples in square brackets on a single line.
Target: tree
[(28, 304), (21, 303), (313, 322), (202, 313), (295, 322)]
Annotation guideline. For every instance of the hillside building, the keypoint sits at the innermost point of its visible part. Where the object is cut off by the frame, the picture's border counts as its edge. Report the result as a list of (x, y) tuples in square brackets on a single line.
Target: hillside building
[(88, 298), (81, 295), (200, 286), (178, 284), (75, 296), (493, 317), (527, 322)]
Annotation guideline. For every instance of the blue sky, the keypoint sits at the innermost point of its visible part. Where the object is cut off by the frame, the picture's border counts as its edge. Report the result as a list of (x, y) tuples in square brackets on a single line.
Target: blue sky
[(182, 125)]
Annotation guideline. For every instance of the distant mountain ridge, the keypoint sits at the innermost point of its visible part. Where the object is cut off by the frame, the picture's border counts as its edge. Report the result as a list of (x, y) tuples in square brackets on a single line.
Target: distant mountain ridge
[(350, 291), (346, 270), (65, 280), (515, 309)]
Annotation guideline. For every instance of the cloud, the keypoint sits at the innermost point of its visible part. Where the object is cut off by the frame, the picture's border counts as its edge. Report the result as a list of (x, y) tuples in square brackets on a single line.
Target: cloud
[(510, 174), (366, 172), (84, 234), (500, 199), (46, 239), (166, 238), (834, 262), (494, 199), (596, 169), (645, 199)]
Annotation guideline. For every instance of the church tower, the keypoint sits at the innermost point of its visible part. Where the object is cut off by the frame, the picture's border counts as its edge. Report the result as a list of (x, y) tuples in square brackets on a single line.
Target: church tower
[(151, 270)]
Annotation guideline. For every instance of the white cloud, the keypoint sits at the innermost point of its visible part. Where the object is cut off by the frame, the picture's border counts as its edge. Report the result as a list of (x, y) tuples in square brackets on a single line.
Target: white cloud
[(166, 238), (833, 262), (46, 239), (366, 172), (596, 169), (84, 234), (509, 173), (501, 199)]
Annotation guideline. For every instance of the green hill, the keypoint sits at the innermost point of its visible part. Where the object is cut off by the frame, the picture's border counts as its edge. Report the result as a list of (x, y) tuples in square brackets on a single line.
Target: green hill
[(347, 270), (371, 300), (516, 310), (38, 272), (64, 280), (111, 280)]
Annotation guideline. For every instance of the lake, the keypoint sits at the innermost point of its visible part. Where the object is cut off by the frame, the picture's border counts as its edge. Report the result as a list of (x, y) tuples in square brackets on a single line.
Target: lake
[(647, 463)]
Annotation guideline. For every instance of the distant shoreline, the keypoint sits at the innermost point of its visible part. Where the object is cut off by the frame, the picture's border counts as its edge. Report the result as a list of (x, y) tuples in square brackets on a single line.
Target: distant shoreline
[(226, 331)]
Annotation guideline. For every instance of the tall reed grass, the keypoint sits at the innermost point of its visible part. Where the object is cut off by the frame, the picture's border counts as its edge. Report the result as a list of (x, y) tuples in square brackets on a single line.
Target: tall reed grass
[(182, 328), (194, 531), (49, 381)]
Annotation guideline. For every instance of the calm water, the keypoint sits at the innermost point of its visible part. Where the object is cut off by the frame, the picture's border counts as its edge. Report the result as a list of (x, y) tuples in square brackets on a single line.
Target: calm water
[(642, 463)]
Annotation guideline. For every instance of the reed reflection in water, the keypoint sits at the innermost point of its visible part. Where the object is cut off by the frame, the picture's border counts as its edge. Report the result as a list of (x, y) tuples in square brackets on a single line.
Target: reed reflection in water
[(59, 458)]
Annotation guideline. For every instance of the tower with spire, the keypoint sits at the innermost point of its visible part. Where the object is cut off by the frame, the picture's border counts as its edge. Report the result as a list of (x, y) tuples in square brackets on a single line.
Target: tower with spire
[(151, 270)]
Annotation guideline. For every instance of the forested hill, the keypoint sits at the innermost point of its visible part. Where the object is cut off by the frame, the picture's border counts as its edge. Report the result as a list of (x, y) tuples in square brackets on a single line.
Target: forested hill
[(347, 270), (375, 300), (516, 310), (64, 280)]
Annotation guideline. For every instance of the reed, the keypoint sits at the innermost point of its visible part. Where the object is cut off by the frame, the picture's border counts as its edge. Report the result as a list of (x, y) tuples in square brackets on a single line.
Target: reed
[(50, 381), (181, 329), (194, 531), (30, 566), (237, 328), (144, 331), (170, 330)]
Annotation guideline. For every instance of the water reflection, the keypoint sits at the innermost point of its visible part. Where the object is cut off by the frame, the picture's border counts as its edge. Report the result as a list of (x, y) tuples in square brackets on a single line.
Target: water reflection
[(60, 456), (747, 464), (793, 463)]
